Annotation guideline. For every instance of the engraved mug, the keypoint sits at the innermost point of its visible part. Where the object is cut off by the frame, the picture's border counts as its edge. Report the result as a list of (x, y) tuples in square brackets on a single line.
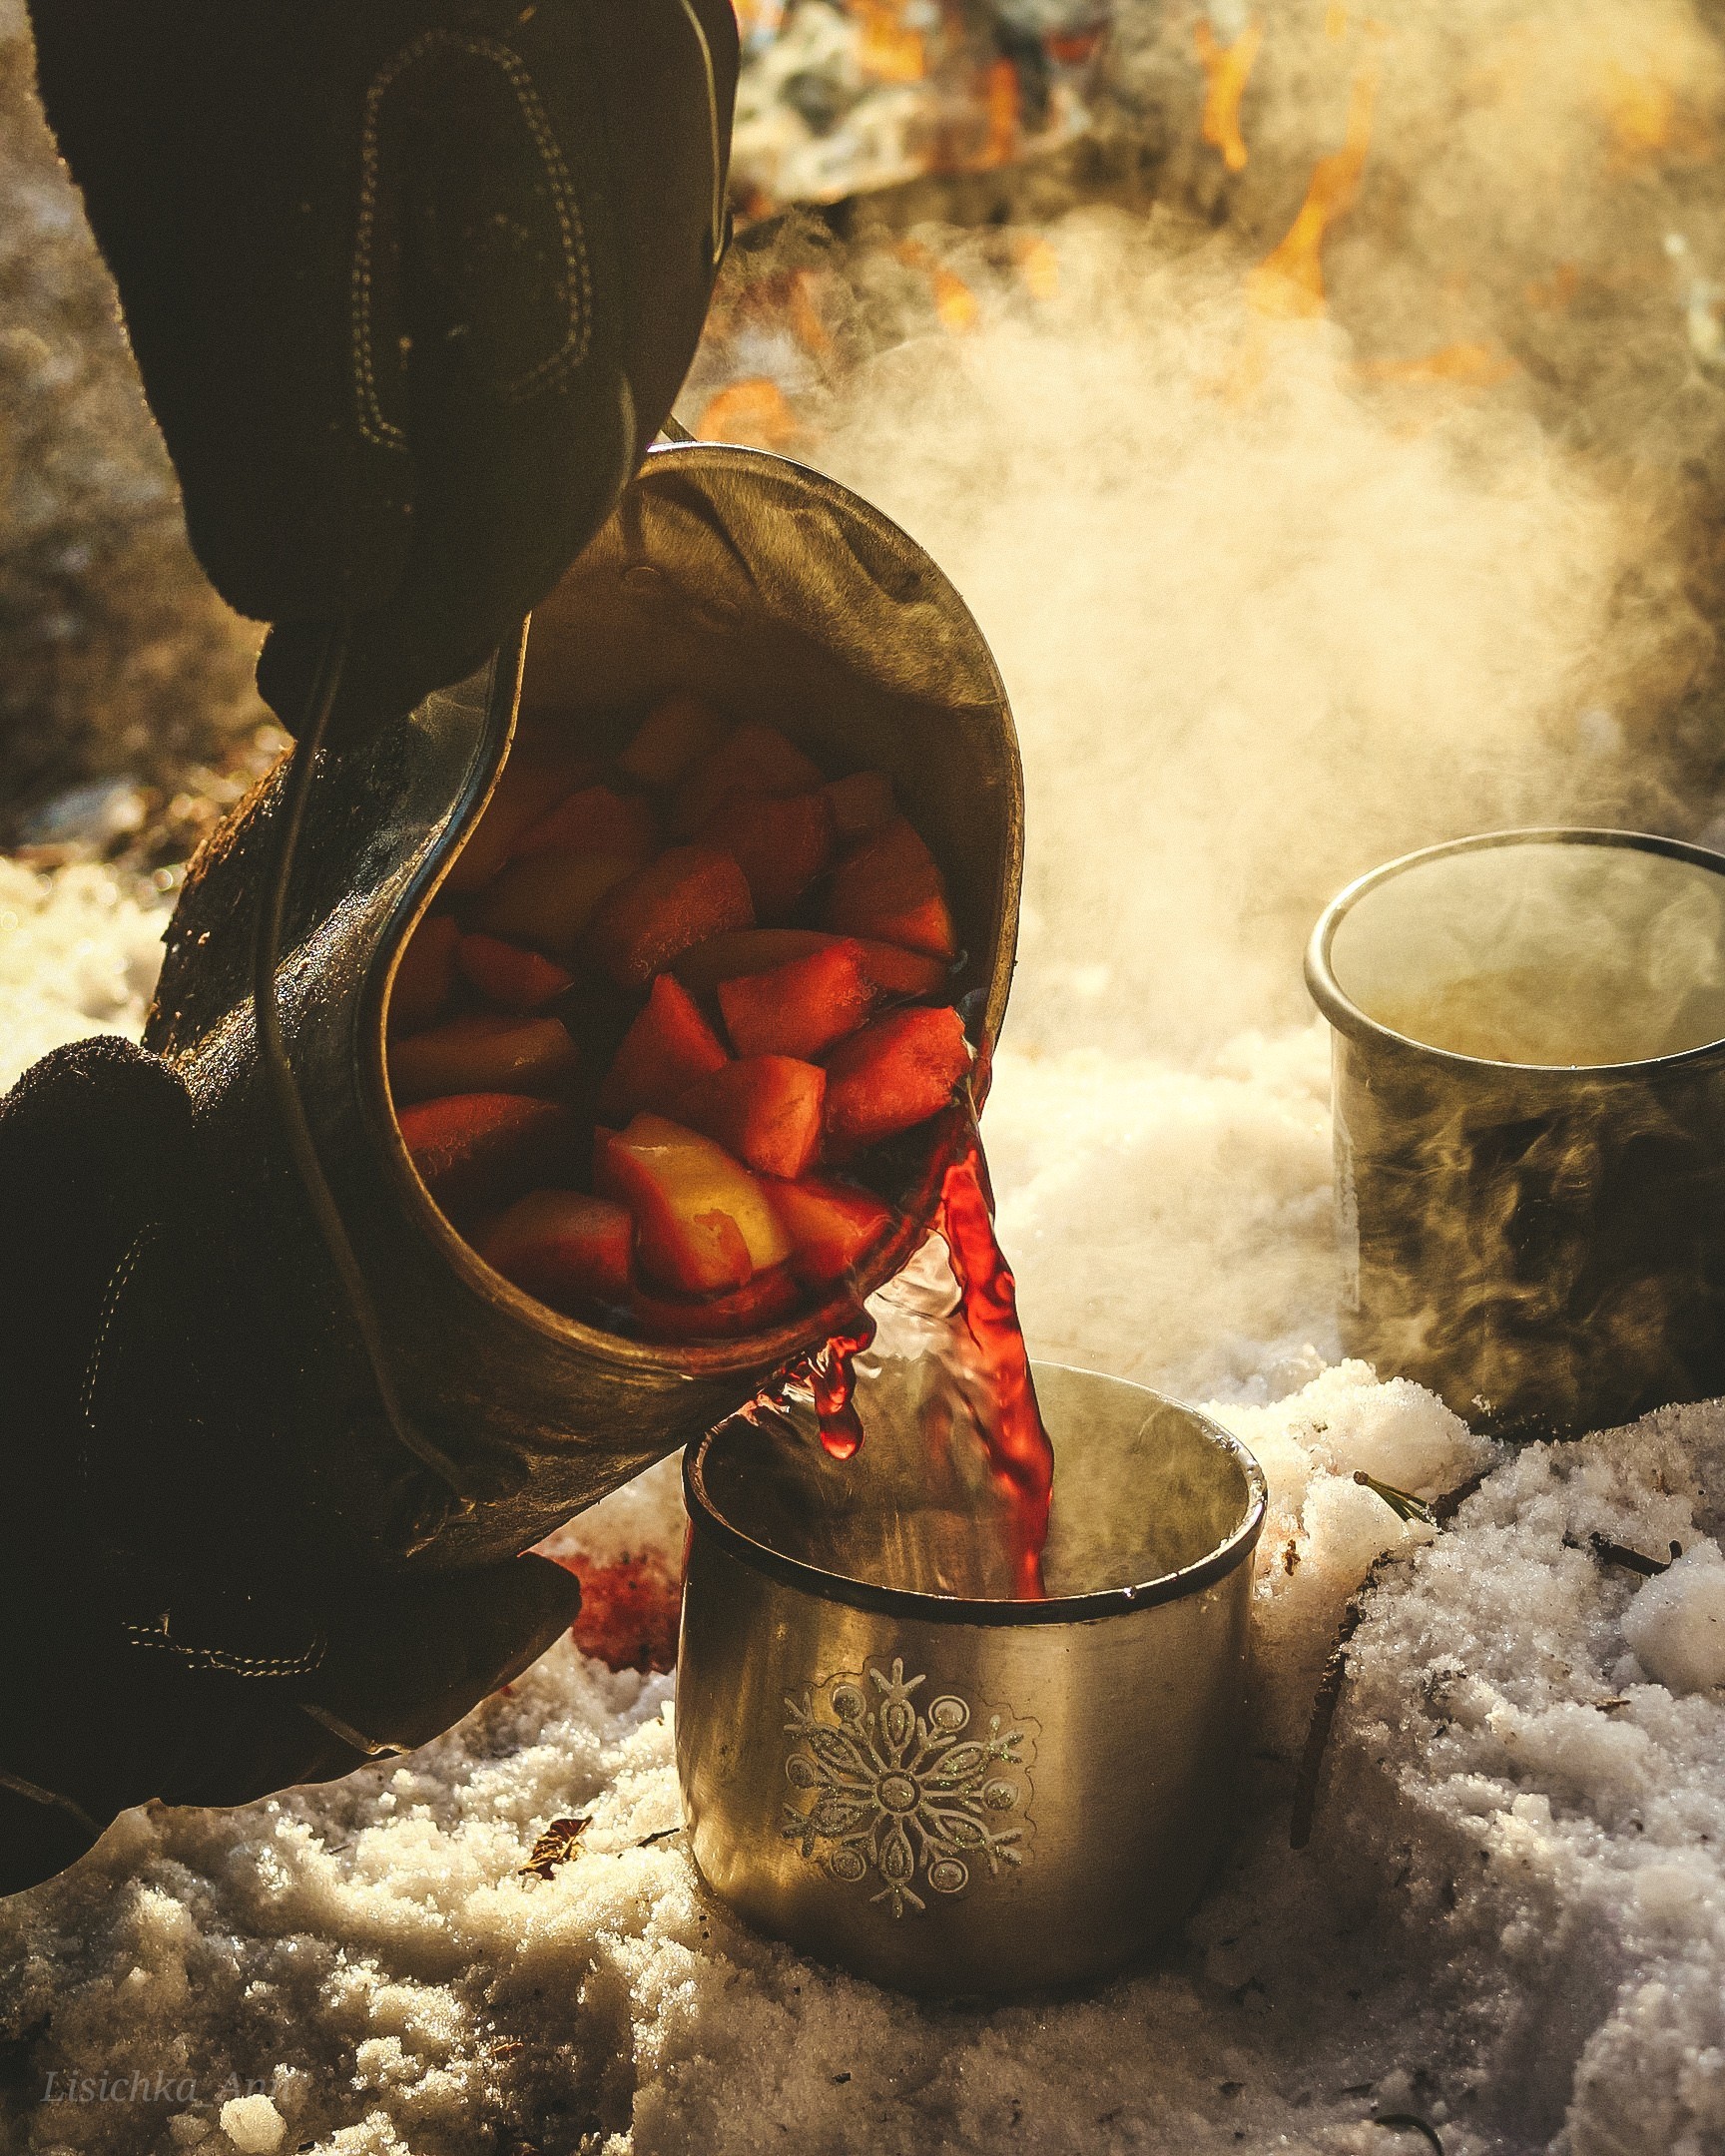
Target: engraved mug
[(956, 1794)]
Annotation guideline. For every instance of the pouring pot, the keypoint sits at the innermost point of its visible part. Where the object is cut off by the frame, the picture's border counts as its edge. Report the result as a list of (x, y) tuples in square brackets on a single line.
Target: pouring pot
[(1529, 1095), (740, 575)]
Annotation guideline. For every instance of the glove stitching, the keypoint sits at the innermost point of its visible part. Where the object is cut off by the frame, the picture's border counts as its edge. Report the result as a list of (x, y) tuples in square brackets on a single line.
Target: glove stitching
[(578, 281), (118, 1282), (221, 1658)]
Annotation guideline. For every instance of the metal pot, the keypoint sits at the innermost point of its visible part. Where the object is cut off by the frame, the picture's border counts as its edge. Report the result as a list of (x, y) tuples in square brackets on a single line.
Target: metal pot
[(1530, 1091), (726, 570), (958, 1795)]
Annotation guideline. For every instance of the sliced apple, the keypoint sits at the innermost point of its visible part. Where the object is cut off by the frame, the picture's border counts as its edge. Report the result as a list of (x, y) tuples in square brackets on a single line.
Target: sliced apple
[(892, 1075), (521, 981), (781, 846), (702, 1223), (860, 803), (759, 1303), (753, 758), (563, 1246), (531, 781), (765, 1109), (548, 899), (669, 740), (652, 916), (596, 820), (832, 1225), (669, 1046), (894, 971), (890, 888), (801, 1007), (425, 975), (483, 1052), (477, 1151)]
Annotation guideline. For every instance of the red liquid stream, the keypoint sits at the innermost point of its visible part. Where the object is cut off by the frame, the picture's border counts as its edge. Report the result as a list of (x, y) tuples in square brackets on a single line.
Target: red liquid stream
[(1020, 1458)]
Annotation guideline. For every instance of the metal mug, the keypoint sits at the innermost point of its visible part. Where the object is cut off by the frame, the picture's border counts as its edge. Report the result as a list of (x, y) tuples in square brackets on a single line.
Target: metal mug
[(781, 594), (952, 1795), (1530, 1093)]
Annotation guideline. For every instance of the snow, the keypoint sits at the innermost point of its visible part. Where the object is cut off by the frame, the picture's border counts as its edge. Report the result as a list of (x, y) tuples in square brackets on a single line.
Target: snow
[(1511, 1921)]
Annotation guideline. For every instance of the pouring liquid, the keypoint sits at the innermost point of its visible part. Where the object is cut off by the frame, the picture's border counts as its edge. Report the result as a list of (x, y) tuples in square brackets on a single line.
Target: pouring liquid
[(1020, 1458)]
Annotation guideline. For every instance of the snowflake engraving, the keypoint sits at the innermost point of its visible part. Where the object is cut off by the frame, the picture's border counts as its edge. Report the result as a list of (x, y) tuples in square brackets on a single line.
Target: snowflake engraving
[(903, 1795)]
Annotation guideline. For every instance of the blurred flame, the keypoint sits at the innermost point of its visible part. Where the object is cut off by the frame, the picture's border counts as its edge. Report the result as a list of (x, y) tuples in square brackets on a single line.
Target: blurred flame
[(1038, 265), (1477, 367), (1002, 107), (890, 49), (1334, 22), (954, 301), (806, 322), (1640, 110), (752, 411), (1290, 281), (1227, 68)]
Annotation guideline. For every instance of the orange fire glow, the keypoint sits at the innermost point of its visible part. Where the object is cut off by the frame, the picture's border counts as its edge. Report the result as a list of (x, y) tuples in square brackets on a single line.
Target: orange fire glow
[(1290, 281), (1002, 107), (954, 301), (752, 411), (1474, 367), (890, 49), (1555, 295), (1038, 265), (1227, 69)]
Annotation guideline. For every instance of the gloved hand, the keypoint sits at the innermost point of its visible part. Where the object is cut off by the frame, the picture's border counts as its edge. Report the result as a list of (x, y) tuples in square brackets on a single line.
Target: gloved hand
[(411, 287), (171, 1621)]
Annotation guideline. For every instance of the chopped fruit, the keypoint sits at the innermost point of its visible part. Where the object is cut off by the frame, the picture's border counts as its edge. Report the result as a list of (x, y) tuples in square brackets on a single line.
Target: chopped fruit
[(563, 1246), (664, 1052), (752, 760), (860, 803), (743, 1309), (744, 951), (486, 1052), (890, 888), (598, 820), (893, 1074), (519, 980), (781, 846), (479, 1150), (670, 737), (832, 1225), (549, 898), (758, 950), (801, 1007), (905, 972), (426, 975), (765, 1109), (702, 1224), (529, 783), (682, 898)]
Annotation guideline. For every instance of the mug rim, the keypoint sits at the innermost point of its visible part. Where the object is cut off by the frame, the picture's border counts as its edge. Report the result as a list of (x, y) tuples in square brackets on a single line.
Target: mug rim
[(1341, 1012), (908, 1602)]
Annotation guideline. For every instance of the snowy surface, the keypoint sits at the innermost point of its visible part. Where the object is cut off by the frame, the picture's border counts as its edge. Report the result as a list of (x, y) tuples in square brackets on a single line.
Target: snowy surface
[(1511, 1921)]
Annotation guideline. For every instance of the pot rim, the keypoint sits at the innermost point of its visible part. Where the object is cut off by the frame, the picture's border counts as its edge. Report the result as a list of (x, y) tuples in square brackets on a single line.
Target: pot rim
[(1341, 1012), (824, 1586)]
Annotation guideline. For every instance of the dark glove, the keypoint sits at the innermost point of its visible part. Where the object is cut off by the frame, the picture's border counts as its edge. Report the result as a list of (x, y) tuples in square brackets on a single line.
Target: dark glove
[(412, 285), (173, 1626)]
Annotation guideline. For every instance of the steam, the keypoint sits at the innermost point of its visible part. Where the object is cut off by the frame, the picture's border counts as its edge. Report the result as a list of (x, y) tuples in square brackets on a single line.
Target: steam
[(1279, 596)]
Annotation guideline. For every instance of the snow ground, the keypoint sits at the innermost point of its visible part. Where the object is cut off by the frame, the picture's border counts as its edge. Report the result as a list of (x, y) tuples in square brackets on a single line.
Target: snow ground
[(1510, 1923)]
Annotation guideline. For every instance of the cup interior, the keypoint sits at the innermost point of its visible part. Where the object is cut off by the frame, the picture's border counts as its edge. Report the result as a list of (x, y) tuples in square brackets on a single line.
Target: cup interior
[(1573, 950), (1146, 1494)]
